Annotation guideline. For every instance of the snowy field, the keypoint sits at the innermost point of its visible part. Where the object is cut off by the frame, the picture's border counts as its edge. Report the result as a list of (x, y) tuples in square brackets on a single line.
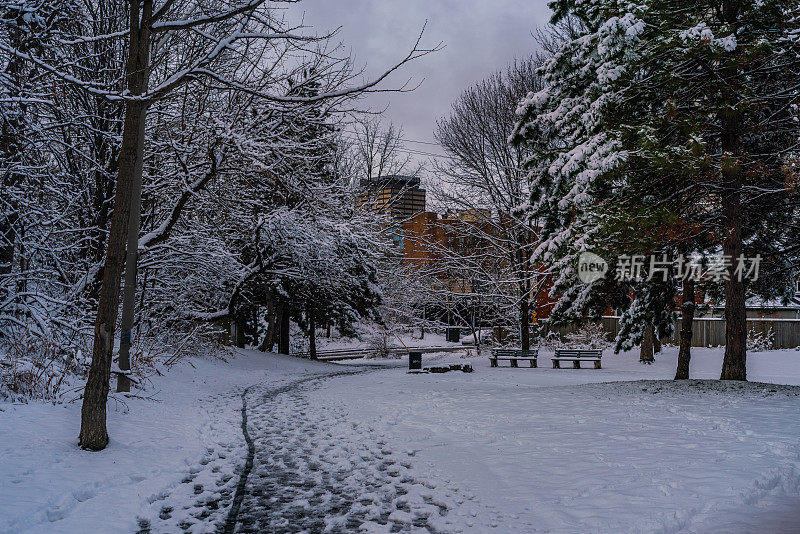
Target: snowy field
[(552, 451), (47, 484), (377, 449), (410, 340)]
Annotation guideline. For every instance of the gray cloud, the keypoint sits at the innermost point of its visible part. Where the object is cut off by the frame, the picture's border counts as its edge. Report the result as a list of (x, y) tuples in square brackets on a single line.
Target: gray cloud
[(480, 36)]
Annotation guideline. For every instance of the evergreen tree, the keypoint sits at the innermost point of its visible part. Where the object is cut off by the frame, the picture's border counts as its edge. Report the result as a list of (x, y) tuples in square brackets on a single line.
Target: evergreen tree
[(684, 113)]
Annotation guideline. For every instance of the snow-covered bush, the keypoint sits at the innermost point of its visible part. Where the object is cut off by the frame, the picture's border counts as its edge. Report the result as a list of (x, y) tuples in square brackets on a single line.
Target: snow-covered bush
[(760, 341), (551, 341), (33, 368), (380, 346), (588, 336)]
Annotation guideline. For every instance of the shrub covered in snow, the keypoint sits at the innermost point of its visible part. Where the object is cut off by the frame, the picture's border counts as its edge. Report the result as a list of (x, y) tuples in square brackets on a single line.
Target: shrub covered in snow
[(588, 336), (33, 368), (380, 345), (760, 341)]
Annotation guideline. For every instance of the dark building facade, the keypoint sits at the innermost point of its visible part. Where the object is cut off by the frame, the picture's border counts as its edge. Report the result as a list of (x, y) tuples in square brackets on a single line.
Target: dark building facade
[(400, 197)]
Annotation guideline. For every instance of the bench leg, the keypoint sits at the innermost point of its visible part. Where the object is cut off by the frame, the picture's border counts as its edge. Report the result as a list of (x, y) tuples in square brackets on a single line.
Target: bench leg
[(576, 364), (597, 364), (492, 362), (514, 363), (556, 364), (533, 363)]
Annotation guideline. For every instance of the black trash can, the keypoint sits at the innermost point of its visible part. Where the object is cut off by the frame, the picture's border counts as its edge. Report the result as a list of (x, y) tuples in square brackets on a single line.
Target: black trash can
[(453, 334), (414, 361)]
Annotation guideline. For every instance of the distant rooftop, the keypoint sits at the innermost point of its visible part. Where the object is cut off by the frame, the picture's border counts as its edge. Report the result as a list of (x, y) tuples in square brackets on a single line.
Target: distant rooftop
[(777, 304)]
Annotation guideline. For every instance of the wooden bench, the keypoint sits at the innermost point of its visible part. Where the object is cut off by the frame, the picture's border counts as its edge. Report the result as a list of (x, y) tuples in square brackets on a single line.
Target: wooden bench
[(576, 356), (514, 356)]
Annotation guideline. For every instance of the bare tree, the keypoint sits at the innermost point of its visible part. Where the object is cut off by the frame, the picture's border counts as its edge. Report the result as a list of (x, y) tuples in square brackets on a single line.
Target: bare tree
[(482, 179), (378, 151), (550, 37), (170, 45)]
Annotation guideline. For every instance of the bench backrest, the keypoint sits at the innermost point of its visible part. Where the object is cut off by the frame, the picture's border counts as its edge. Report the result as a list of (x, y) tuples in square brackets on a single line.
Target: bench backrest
[(515, 352), (579, 353)]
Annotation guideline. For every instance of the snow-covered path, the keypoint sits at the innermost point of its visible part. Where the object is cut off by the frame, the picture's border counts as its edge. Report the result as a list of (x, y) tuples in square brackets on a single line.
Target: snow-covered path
[(343, 448), (181, 445), (516, 450), (310, 469), (316, 470)]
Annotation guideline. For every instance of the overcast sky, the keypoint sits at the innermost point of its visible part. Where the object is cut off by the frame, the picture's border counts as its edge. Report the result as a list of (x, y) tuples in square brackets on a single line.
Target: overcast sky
[(480, 36)]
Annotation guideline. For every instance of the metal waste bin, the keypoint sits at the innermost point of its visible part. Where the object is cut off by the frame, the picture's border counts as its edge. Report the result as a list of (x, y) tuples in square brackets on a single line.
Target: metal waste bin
[(414, 360), (453, 334)]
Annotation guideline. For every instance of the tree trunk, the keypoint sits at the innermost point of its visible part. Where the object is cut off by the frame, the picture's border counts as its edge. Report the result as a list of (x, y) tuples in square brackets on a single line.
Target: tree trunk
[(284, 337), (646, 351), (104, 181), (657, 344), (525, 330), (275, 339), (7, 244), (93, 434), (269, 336), (132, 251), (8, 223), (312, 333), (476, 337), (12, 136), (238, 338), (262, 347), (685, 351), (734, 365)]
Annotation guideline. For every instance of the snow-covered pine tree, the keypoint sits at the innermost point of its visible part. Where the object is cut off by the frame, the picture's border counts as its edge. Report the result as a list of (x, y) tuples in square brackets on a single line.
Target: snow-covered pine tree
[(656, 86), (723, 71), (566, 131)]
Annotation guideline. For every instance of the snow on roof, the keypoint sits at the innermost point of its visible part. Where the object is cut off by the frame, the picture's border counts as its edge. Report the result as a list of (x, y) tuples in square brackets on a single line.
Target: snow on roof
[(758, 302)]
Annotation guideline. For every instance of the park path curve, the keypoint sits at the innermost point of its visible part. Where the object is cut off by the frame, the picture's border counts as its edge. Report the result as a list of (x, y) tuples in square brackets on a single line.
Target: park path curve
[(314, 470)]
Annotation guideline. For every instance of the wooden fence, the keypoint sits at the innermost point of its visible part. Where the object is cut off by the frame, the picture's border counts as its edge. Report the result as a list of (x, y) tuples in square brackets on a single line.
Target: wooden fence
[(710, 332)]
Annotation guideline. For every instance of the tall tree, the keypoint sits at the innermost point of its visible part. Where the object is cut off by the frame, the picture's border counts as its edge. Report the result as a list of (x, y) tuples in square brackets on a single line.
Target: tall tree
[(168, 46), (377, 151), (649, 88), (483, 178)]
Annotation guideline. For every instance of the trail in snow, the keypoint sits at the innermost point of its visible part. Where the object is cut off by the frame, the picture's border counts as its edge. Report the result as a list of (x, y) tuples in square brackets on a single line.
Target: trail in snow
[(314, 470), (308, 469), (500, 450)]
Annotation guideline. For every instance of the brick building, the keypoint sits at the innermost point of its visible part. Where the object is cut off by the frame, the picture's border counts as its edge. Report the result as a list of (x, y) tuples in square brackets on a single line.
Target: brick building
[(428, 236)]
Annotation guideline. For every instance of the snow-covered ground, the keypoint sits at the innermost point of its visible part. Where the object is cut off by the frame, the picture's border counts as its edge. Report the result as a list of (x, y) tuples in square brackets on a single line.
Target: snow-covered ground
[(48, 484), (550, 450), (410, 340), (500, 449)]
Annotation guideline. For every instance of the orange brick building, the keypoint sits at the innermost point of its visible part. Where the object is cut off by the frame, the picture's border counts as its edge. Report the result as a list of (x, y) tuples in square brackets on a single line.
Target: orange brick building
[(427, 236)]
